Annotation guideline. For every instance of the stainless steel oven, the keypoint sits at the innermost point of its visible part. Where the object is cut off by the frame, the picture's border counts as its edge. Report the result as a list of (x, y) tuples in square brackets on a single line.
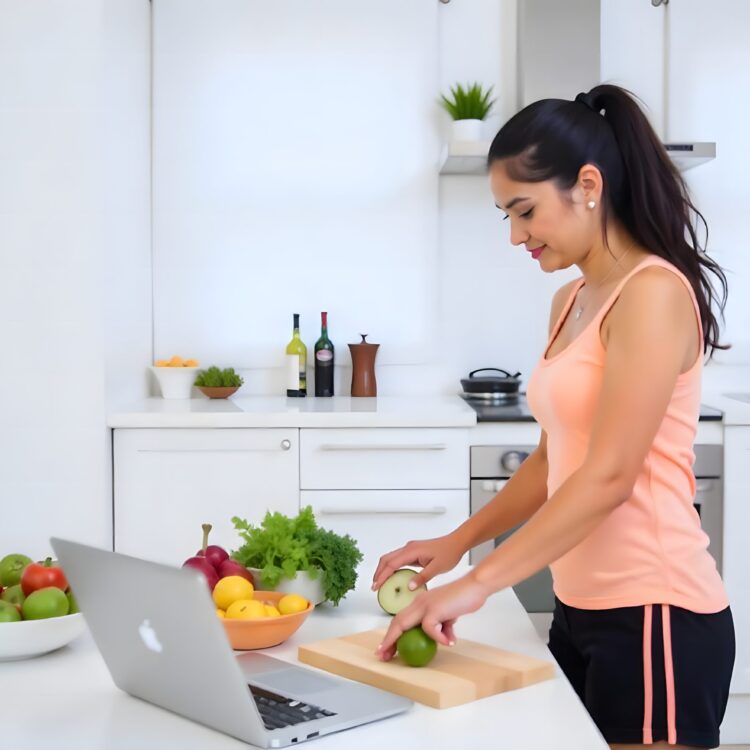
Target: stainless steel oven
[(492, 467)]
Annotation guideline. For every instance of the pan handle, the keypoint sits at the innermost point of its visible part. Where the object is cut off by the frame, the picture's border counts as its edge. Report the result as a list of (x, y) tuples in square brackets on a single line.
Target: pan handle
[(495, 369)]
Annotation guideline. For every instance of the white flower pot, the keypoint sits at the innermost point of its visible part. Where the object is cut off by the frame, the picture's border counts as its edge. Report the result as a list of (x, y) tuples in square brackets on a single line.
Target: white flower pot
[(302, 584), (466, 130)]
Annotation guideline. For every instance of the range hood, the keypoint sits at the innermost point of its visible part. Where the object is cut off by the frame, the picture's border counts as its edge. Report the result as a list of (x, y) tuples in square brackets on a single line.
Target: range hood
[(556, 58)]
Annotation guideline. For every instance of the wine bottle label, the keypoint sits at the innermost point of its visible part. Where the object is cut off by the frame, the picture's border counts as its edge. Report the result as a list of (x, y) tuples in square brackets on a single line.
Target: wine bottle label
[(292, 372), (324, 356)]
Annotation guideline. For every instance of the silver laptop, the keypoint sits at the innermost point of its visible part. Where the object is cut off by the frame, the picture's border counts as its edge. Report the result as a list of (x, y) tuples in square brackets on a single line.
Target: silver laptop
[(157, 629)]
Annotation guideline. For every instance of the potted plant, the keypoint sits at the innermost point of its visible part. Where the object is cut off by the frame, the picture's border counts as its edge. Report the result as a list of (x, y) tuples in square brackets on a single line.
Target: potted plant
[(216, 383), (296, 556), (467, 107)]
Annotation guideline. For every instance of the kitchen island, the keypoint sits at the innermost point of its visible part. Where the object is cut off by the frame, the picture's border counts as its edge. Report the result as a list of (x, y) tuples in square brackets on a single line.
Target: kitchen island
[(67, 700)]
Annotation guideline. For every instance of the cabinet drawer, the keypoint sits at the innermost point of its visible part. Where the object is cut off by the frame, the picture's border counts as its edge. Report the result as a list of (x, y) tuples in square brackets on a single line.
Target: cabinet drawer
[(170, 481), (381, 521), (373, 459)]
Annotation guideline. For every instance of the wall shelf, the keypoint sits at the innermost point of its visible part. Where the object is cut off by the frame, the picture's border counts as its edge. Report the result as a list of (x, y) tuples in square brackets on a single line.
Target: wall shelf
[(470, 157)]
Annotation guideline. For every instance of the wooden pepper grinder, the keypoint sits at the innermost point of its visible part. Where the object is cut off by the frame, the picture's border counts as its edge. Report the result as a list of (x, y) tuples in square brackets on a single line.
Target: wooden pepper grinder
[(363, 368)]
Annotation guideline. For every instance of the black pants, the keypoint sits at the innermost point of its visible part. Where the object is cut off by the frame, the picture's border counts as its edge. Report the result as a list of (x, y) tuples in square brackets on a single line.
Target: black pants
[(648, 673)]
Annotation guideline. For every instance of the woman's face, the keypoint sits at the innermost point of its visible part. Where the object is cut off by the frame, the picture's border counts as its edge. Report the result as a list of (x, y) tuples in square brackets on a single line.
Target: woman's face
[(556, 228)]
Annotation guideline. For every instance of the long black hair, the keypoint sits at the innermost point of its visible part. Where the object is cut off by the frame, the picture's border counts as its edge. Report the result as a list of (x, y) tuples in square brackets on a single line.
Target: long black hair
[(553, 138)]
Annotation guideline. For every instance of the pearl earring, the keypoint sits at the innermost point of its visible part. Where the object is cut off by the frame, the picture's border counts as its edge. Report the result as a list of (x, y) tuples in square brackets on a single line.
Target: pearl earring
[(591, 204)]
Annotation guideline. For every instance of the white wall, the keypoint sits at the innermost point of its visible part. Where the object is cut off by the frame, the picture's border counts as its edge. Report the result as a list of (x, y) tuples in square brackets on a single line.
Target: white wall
[(73, 112)]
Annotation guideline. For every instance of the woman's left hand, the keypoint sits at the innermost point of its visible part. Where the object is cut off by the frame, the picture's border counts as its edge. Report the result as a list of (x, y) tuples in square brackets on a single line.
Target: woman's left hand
[(436, 610)]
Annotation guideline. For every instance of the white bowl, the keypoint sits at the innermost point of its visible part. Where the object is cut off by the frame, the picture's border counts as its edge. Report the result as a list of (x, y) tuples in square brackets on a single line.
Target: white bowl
[(175, 382), (26, 638), (302, 584)]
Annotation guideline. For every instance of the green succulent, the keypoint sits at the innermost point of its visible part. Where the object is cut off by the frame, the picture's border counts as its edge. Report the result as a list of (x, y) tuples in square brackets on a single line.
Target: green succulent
[(470, 103), (216, 378)]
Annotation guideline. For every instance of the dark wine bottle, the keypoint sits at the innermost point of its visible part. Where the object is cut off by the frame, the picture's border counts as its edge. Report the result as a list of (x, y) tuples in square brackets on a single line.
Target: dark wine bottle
[(324, 360)]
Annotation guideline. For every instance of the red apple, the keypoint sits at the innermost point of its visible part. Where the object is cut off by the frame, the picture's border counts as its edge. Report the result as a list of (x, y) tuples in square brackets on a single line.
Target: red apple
[(212, 552), (233, 568), (205, 567)]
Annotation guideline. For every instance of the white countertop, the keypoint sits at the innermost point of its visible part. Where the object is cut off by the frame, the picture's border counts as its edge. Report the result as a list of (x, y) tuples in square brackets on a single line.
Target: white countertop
[(279, 411), (67, 700)]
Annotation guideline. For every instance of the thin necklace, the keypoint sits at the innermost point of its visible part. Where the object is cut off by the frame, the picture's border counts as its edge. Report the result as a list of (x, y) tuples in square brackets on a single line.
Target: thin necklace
[(579, 309)]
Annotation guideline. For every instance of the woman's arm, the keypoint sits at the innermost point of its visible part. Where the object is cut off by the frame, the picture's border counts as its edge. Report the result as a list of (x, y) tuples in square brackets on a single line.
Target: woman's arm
[(652, 331)]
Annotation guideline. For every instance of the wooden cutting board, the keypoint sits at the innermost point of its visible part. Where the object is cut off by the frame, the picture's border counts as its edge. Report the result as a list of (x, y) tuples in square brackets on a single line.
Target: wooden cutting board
[(458, 674)]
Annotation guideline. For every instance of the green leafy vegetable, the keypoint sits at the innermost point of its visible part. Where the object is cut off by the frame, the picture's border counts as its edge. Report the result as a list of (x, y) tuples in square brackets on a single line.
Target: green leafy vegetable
[(470, 103), (216, 378), (281, 546)]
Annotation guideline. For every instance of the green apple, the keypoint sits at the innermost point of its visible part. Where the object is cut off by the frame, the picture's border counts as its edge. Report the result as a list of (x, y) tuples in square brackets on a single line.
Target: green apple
[(416, 648), (14, 595), (11, 567), (8, 612), (45, 603), (394, 594)]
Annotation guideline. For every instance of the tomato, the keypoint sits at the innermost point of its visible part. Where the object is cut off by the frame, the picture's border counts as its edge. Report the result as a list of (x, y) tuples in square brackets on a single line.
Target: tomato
[(44, 603), (41, 576)]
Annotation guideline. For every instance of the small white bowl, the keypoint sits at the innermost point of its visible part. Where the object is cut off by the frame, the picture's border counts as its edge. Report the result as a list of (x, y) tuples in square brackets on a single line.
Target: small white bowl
[(175, 382), (302, 584), (26, 638)]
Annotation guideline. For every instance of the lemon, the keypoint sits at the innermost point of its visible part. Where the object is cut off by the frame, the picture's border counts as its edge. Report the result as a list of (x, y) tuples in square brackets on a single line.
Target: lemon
[(221, 613), (175, 362), (231, 589), (161, 363), (292, 603), (190, 363), (271, 611), (246, 609)]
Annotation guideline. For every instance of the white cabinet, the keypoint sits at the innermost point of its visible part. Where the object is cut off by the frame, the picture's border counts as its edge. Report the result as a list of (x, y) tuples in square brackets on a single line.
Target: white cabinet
[(167, 482), (384, 486), (736, 525), (382, 520), (370, 459)]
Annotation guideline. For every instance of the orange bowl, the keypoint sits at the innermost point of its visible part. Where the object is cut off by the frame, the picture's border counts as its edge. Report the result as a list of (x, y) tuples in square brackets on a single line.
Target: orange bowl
[(245, 635)]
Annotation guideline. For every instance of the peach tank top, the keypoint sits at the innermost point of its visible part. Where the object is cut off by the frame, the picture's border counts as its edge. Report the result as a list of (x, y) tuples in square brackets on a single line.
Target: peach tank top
[(651, 549)]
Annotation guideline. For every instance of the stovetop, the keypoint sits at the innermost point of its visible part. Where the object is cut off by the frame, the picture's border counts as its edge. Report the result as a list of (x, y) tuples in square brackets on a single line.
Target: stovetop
[(518, 411)]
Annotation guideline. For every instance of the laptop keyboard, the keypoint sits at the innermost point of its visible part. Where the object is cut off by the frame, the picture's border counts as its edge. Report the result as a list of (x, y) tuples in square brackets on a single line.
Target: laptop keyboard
[(278, 711)]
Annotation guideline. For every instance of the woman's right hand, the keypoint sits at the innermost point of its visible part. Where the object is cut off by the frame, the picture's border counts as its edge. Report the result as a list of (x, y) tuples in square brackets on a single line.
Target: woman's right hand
[(432, 555)]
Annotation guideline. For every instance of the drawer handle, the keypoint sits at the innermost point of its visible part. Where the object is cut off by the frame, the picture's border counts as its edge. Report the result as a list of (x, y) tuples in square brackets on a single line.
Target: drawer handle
[(405, 447), (286, 445), (438, 510)]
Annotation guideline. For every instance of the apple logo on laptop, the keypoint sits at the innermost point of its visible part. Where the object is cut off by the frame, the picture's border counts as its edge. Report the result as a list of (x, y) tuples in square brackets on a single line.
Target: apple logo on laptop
[(149, 637)]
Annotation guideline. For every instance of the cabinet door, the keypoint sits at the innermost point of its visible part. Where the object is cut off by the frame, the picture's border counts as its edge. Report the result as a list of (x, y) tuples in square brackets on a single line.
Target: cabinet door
[(736, 567), (168, 482), (384, 459), (381, 521)]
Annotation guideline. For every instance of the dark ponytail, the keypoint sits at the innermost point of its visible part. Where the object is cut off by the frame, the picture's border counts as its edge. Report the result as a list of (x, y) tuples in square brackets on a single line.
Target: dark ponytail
[(553, 138)]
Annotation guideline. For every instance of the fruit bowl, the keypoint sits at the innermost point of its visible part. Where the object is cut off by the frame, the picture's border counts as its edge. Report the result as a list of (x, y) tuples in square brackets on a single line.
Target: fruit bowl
[(246, 635), (175, 382), (27, 638)]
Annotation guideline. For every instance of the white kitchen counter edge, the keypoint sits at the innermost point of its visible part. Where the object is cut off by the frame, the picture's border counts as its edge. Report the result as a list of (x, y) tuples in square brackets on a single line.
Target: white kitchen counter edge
[(261, 411)]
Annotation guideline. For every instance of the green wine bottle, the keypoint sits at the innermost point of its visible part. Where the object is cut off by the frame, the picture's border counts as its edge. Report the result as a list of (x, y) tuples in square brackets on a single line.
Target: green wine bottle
[(296, 364), (323, 360)]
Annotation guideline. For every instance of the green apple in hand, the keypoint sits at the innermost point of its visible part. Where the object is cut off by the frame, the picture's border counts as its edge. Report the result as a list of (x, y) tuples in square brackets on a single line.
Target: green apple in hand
[(394, 595), (416, 648)]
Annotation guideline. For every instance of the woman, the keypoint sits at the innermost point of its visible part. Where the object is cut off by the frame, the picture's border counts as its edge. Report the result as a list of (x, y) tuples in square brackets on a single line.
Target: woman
[(642, 627)]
